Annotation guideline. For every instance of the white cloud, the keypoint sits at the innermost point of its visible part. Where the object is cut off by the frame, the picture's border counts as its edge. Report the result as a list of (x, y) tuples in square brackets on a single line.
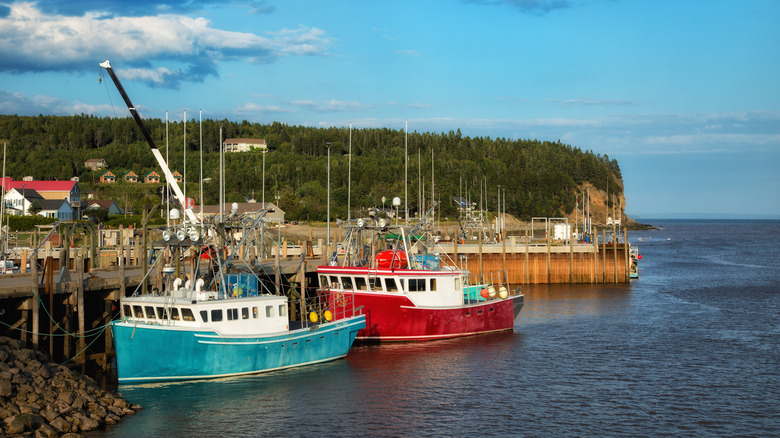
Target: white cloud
[(33, 40)]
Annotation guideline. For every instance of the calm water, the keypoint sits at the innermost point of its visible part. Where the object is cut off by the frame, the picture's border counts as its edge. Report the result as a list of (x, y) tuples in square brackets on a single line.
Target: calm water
[(690, 349)]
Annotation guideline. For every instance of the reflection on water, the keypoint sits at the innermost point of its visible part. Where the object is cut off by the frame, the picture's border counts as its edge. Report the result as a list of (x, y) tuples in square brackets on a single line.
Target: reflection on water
[(544, 302)]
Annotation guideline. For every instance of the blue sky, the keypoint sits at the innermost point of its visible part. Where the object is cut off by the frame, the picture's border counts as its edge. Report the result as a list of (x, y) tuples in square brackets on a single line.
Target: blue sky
[(684, 94)]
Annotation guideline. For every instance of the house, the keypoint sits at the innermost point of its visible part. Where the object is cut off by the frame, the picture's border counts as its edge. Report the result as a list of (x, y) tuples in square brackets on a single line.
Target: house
[(59, 209), (108, 204), (152, 178), (243, 144), (108, 177), (130, 177), (177, 177), (248, 209), (68, 190), (95, 163), (18, 201)]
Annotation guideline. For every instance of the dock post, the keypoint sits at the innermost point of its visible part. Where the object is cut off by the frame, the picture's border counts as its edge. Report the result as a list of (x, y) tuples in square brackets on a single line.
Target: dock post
[(35, 301), (571, 257), (595, 259), (80, 343), (604, 254), (626, 255), (527, 262), (481, 265), (549, 257), (614, 253)]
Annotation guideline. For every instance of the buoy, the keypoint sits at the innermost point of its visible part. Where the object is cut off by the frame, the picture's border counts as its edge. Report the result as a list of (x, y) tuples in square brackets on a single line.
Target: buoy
[(491, 291), (502, 292), (484, 293), (327, 315), (313, 317), (639, 257)]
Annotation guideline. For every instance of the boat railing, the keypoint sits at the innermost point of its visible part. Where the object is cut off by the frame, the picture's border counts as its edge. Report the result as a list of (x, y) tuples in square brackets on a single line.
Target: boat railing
[(335, 304), (485, 286)]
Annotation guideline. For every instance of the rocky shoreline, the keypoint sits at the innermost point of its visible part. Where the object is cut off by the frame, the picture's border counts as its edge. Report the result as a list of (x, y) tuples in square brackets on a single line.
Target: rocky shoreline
[(39, 398)]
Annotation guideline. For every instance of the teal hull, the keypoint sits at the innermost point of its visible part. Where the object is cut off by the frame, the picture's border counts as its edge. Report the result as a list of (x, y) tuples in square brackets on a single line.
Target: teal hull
[(154, 353)]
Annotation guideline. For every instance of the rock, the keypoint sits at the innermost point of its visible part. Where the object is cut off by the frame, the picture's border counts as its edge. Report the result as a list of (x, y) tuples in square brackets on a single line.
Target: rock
[(23, 422), (6, 387), (46, 431), (61, 424), (43, 399)]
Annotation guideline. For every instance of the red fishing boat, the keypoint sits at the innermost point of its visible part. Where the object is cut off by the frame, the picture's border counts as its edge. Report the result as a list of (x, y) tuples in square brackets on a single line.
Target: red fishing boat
[(409, 292)]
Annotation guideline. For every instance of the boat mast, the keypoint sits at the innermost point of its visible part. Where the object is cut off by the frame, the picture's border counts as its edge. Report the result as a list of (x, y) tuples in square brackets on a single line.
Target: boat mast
[(156, 152)]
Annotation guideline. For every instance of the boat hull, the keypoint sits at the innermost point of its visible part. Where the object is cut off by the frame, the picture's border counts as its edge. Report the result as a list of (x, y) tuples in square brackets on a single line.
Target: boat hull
[(394, 318), (154, 353)]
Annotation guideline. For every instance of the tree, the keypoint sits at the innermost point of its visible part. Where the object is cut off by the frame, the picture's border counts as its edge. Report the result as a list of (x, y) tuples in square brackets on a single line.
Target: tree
[(35, 207)]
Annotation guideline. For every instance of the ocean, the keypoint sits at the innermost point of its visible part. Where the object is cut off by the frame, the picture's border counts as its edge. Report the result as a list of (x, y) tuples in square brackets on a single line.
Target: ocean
[(689, 349)]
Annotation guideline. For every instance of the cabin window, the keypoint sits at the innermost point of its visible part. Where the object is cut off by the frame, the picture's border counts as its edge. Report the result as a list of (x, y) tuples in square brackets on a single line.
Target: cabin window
[(186, 315), (127, 311), (204, 315), (334, 281), (416, 285), (269, 311), (232, 314), (360, 283), (390, 285), (255, 312), (457, 284), (139, 313), (245, 313), (216, 315), (282, 309), (149, 312), (433, 285), (346, 282), (374, 283), (174, 314), (324, 281), (162, 313)]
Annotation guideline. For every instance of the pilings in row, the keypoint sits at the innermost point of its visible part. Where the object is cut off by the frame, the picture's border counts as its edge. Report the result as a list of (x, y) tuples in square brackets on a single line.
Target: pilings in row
[(549, 264)]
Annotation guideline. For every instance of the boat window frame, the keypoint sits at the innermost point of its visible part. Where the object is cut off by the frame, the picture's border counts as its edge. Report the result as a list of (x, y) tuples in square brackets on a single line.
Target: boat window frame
[(149, 310), (417, 284), (346, 283), (361, 283), (374, 283), (127, 310), (282, 309), (255, 312), (269, 311), (433, 285), (387, 282), (204, 315), (138, 311), (187, 315), (174, 314), (216, 313), (245, 313), (334, 282), (162, 313)]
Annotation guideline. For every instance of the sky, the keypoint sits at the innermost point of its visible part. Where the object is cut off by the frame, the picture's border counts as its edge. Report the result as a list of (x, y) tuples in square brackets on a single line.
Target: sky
[(684, 94)]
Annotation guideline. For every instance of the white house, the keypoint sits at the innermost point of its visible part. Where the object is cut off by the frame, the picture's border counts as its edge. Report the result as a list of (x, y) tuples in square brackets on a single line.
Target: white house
[(243, 144), (17, 201)]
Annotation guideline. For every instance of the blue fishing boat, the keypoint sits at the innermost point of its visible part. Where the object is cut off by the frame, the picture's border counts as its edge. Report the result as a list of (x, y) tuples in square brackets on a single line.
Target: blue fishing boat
[(193, 334), (211, 327)]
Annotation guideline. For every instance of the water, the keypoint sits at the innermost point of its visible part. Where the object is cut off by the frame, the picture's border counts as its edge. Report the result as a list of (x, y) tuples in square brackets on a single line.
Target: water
[(690, 349)]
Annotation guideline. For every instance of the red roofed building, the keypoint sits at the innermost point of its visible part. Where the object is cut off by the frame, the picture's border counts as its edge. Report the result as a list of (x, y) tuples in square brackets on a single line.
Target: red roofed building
[(55, 190)]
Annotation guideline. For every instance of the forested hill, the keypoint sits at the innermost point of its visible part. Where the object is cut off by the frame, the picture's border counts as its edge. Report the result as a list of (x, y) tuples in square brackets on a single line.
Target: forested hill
[(539, 178)]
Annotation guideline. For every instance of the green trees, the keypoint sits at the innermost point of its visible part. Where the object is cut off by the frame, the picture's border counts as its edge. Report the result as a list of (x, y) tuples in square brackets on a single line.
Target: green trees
[(540, 178)]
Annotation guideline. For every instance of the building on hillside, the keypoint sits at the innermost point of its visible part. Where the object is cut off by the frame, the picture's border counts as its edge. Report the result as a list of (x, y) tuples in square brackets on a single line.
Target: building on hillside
[(108, 177), (58, 209), (68, 190), (248, 209), (108, 204), (18, 201), (243, 144), (177, 177), (152, 178), (130, 177), (95, 164)]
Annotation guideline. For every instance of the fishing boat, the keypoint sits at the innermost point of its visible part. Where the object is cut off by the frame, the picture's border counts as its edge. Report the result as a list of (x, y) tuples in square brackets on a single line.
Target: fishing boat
[(410, 292), (200, 324)]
